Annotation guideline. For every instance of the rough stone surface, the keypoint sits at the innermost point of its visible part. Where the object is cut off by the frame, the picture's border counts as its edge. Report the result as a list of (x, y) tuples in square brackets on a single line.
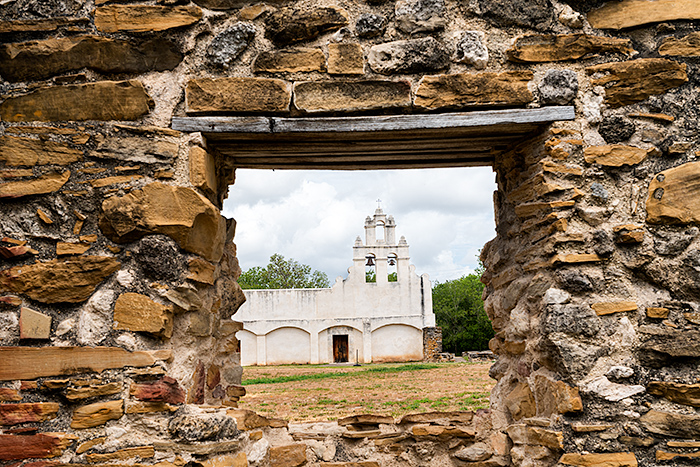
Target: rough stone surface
[(686, 46), (470, 49), (228, 45), (194, 424), (345, 59), (290, 25), (468, 90), (33, 325), (237, 95), (572, 319), (635, 80), (179, 212), (95, 318), (52, 181), (558, 87), (616, 155), (26, 152), (414, 16), (686, 394), (290, 61), (551, 48), (631, 13), (603, 387), (58, 281), (291, 455), (674, 195), (15, 414), (26, 446), (529, 13), (661, 345), (144, 18), (136, 312), (616, 129), (613, 459), (671, 424), (165, 390), (370, 25), (102, 100), (99, 413), (351, 96), (408, 56), (42, 59), (160, 258)]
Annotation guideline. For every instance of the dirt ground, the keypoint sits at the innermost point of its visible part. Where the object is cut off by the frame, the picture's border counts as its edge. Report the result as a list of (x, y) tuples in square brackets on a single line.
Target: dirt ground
[(377, 389)]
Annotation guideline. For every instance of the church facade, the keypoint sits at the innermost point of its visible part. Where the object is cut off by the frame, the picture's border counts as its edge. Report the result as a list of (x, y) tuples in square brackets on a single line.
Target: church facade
[(377, 314)]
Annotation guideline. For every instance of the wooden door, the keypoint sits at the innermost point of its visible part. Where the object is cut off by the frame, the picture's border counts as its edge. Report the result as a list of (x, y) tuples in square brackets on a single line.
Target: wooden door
[(340, 348)]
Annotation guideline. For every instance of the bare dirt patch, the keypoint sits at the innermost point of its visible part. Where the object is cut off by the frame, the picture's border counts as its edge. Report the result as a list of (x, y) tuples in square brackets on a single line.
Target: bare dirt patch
[(338, 391)]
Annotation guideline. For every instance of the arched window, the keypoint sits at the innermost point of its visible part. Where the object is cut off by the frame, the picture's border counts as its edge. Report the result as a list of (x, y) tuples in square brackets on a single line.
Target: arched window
[(379, 231), (370, 268), (392, 267)]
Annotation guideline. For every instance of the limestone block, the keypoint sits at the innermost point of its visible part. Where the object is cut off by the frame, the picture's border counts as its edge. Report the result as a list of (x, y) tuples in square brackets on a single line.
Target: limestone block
[(474, 453), (662, 456), (149, 407), (470, 49), (248, 420), (632, 13), (414, 16), (671, 424), (686, 394), (557, 48), (179, 212), (36, 362), (229, 44), (608, 308), (467, 90), (409, 56), (203, 271), (610, 391), (144, 18), (635, 80), (290, 61), (192, 423), (629, 233), (554, 397), (616, 155), (351, 96), (9, 395), (669, 343), (203, 171), (291, 455), (521, 402), (93, 390), (67, 248), (529, 13), (524, 434), (365, 419), (370, 25), (102, 100), (227, 460), (251, 12), (97, 414), (674, 196), (237, 95), (441, 418), (143, 452), (34, 325), (290, 25), (69, 280), (41, 24), (52, 181), (41, 446), (686, 46), (27, 152), (657, 312), (147, 150), (136, 312), (36, 60), (613, 459), (345, 59), (15, 414)]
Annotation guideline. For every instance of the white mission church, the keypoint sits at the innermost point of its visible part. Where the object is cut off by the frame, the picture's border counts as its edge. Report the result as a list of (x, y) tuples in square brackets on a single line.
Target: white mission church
[(380, 321)]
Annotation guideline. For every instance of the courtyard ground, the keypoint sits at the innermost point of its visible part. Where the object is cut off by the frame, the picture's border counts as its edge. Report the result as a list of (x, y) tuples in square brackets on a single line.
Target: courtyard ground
[(324, 392)]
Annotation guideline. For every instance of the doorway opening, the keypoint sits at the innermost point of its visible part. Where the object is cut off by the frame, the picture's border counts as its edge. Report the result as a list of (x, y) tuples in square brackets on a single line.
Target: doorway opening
[(340, 348)]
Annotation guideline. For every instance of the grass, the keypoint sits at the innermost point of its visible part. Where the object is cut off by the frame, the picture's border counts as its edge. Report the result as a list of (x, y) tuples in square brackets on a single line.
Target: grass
[(318, 376), (321, 392)]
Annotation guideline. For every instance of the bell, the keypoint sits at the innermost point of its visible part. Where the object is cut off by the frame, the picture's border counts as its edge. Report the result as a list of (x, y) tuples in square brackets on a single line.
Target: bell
[(392, 262), (370, 261)]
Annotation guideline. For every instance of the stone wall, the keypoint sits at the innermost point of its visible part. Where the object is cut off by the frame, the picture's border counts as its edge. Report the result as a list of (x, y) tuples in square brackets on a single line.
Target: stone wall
[(118, 271)]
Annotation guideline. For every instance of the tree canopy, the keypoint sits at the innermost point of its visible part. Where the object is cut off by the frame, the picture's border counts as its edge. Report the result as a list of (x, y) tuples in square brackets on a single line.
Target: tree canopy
[(459, 311), (283, 273)]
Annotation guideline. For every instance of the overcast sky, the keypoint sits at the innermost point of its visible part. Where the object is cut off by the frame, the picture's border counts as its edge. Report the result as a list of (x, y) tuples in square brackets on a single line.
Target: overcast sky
[(314, 217)]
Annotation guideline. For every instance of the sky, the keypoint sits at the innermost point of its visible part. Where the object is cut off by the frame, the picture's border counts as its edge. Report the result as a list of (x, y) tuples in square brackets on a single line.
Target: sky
[(314, 217)]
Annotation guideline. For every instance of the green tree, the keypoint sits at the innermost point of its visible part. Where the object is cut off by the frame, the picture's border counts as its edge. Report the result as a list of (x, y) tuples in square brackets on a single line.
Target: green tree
[(459, 311), (281, 273)]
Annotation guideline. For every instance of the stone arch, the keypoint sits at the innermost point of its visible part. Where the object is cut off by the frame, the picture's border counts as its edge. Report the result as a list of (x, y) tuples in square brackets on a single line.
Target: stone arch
[(279, 341), (397, 342)]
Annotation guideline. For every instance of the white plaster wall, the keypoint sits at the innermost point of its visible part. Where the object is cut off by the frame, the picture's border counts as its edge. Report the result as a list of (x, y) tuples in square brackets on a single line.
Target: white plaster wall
[(287, 345), (397, 343), (325, 344), (249, 347)]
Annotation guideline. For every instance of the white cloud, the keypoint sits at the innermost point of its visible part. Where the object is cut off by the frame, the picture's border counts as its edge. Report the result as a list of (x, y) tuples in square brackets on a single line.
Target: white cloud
[(446, 215)]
